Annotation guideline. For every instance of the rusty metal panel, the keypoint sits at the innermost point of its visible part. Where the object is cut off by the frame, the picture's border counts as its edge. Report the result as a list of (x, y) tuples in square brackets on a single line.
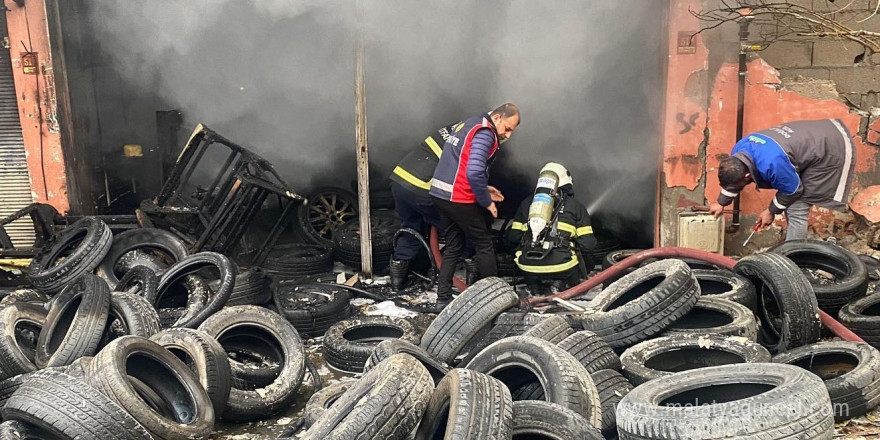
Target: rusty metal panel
[(15, 185)]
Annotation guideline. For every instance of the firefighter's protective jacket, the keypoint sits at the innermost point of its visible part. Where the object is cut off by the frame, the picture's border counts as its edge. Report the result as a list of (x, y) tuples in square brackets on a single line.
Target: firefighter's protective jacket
[(573, 228)]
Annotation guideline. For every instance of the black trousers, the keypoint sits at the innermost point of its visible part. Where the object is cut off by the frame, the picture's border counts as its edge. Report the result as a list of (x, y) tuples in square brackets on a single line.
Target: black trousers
[(416, 212), (460, 222)]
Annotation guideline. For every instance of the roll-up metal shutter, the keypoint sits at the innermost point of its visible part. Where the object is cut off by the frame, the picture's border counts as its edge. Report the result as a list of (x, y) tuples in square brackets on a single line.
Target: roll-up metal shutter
[(15, 184)]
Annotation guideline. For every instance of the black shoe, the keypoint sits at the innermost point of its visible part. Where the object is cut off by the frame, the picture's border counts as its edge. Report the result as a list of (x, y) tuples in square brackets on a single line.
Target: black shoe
[(473, 271), (399, 269)]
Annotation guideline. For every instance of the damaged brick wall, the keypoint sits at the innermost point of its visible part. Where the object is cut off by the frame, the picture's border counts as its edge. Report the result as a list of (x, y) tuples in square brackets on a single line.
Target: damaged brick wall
[(792, 79)]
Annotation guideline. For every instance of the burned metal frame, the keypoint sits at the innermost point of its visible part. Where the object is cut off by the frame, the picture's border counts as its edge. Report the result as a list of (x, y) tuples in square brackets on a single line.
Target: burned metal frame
[(215, 218), (45, 219)]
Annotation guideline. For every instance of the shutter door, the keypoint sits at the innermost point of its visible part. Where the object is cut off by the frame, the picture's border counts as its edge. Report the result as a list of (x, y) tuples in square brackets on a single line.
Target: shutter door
[(15, 185)]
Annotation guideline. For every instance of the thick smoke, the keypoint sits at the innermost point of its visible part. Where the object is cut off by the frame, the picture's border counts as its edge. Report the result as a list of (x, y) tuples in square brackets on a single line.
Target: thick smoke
[(277, 76)]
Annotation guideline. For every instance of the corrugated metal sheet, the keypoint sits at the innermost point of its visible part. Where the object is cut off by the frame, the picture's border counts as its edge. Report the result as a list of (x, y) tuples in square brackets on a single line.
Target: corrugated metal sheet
[(15, 185)]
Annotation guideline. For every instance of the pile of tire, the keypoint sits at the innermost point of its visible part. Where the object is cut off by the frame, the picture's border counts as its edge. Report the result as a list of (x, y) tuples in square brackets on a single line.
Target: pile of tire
[(347, 240)]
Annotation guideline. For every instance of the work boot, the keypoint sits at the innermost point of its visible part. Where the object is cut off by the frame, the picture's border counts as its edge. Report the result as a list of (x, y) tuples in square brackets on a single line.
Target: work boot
[(473, 271), (399, 269)]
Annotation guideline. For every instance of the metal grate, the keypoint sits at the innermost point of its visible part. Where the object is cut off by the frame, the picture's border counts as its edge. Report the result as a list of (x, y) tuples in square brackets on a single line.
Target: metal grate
[(15, 185)]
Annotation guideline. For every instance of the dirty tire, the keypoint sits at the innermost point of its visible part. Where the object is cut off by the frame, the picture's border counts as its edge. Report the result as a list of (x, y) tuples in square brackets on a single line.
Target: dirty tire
[(468, 404), (642, 304), (129, 314), (505, 325), (862, 316), (386, 403), (854, 392), (321, 401), (389, 348), (295, 260), (194, 263), (849, 271), (348, 344), (671, 354), (726, 285), (717, 316), (15, 356), (24, 296), (782, 286), (14, 430), (113, 266), (805, 406), (131, 367), (68, 408), (75, 322), (232, 322), (466, 316), (552, 329), (591, 351), (347, 240), (251, 288), (312, 308), (521, 360), (140, 280), (544, 420), (612, 387), (205, 357), (90, 239)]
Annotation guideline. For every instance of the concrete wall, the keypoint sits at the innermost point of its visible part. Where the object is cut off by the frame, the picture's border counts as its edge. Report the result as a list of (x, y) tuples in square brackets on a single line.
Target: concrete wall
[(792, 79)]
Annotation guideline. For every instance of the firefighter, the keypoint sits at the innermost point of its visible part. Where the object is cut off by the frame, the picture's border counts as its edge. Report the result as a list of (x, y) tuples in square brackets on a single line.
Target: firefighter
[(547, 249), (807, 163), (461, 191)]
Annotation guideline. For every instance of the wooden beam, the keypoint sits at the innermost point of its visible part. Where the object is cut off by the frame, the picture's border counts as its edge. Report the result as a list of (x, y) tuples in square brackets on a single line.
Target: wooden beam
[(362, 152)]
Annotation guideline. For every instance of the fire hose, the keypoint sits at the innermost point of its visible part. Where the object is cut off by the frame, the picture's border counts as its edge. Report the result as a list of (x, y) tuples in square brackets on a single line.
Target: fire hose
[(663, 252)]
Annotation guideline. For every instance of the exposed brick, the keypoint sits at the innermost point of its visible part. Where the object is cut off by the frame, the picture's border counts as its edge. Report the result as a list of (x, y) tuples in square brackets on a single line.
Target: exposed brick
[(871, 100), (871, 25), (783, 54), (861, 79), (818, 73), (836, 53)]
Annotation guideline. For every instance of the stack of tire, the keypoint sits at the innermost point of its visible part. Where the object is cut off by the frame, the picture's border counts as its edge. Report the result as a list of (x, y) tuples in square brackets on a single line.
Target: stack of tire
[(152, 348), (290, 261), (347, 240)]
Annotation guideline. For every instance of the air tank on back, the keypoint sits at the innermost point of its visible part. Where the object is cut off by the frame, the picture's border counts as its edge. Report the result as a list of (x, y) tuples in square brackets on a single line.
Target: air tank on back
[(541, 209)]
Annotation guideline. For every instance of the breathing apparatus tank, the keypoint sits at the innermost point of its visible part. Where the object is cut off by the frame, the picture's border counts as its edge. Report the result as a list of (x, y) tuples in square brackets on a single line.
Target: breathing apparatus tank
[(543, 202)]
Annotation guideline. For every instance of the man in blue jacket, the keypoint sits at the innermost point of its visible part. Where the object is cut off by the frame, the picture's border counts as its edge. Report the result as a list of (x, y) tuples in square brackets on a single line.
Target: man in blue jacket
[(462, 193), (807, 163)]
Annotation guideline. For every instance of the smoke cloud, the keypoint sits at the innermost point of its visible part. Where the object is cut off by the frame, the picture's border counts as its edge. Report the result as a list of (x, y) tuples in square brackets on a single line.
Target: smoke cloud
[(277, 76)]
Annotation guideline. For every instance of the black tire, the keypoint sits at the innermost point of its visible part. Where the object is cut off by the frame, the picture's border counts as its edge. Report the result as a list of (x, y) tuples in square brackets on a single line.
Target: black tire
[(163, 245), (337, 207), (140, 280), (321, 401), (22, 323), (643, 303), (671, 354), (849, 273), (872, 265), (14, 430), (851, 371), (782, 291), (552, 329), (68, 407), (298, 260), (260, 323), (544, 420), (9, 386), (389, 348), (131, 367), (75, 322), (727, 285), (505, 325), (29, 296), (604, 244), (468, 405), (254, 359), (386, 403), (348, 344), (612, 387), (205, 357), (251, 288), (82, 244), (753, 401), (347, 240), (615, 257), (189, 266), (129, 314), (591, 351), (521, 360), (312, 308), (466, 316), (862, 316), (717, 316)]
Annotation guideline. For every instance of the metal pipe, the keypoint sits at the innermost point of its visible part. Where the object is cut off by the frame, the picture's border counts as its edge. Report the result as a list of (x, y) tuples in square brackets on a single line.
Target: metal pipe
[(740, 104), (676, 252)]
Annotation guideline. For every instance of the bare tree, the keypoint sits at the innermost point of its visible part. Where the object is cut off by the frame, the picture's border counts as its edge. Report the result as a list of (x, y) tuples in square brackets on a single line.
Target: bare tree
[(775, 20)]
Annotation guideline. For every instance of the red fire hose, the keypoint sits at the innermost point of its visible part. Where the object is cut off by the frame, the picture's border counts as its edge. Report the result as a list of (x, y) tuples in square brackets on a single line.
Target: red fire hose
[(634, 260)]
